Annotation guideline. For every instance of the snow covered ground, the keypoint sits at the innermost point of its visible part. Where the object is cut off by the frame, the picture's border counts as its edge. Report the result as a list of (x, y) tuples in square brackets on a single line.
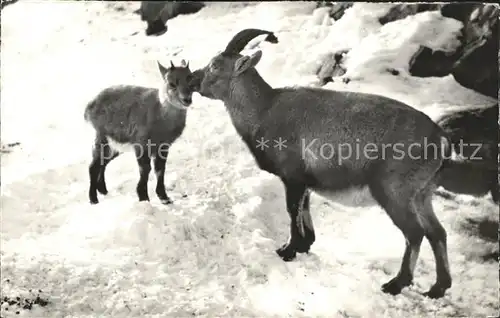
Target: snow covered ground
[(211, 253)]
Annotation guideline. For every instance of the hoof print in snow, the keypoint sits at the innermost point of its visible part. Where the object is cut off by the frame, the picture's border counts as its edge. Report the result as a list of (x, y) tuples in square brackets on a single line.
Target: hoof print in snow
[(393, 71), (7, 148)]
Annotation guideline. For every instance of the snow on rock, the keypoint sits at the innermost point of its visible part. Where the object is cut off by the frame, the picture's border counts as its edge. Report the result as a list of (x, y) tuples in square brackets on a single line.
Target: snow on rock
[(393, 46), (210, 253)]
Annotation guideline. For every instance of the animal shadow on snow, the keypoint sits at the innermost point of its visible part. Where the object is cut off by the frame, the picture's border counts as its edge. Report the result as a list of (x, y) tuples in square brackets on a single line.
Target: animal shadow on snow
[(485, 229)]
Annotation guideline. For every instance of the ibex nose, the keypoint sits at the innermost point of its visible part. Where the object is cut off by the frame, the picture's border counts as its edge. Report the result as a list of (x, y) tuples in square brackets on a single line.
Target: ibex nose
[(186, 100)]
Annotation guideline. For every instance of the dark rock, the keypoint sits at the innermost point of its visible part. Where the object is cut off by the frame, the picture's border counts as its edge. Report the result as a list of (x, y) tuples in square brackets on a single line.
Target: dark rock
[(332, 67), (337, 9), (428, 63), (5, 3), (326, 80), (393, 71), (156, 13), (468, 131), (475, 63), (477, 67)]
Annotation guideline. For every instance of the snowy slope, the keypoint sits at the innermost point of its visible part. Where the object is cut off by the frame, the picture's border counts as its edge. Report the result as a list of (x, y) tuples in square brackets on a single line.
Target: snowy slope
[(210, 254)]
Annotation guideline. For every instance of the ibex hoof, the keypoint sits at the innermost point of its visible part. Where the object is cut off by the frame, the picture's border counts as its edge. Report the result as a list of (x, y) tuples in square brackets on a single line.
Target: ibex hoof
[(102, 190), (302, 247), (392, 287), (166, 201), (286, 252), (94, 201), (395, 285), (435, 292), (303, 244)]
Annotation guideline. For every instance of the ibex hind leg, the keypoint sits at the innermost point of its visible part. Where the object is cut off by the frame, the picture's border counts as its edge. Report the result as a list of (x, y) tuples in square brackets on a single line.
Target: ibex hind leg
[(305, 225), (436, 235), (108, 154), (395, 196), (95, 167)]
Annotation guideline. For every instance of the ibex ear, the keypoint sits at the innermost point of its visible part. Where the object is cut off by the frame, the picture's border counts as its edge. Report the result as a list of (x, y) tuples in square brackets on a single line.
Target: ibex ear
[(245, 62), (163, 69)]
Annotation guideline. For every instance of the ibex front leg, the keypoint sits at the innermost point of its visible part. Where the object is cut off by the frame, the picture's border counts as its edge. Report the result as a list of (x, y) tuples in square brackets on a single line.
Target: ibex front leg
[(144, 161), (301, 228), (160, 161)]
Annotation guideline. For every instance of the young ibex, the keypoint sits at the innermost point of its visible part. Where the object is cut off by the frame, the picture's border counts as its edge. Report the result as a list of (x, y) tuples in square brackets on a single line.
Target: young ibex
[(306, 120), (148, 120)]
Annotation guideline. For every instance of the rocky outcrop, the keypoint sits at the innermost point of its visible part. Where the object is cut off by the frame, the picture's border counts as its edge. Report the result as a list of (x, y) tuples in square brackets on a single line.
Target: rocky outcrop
[(475, 136), (337, 9), (157, 13), (475, 64), (332, 65)]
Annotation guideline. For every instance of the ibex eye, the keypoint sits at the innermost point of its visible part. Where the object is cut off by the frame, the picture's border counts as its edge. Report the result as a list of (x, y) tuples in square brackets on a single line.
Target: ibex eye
[(172, 85)]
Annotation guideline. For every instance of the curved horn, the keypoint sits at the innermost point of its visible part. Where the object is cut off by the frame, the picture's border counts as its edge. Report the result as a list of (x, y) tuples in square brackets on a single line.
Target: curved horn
[(241, 39), (172, 64)]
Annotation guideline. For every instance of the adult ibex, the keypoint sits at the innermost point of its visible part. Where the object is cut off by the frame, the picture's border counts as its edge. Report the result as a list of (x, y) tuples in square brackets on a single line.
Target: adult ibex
[(407, 151)]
